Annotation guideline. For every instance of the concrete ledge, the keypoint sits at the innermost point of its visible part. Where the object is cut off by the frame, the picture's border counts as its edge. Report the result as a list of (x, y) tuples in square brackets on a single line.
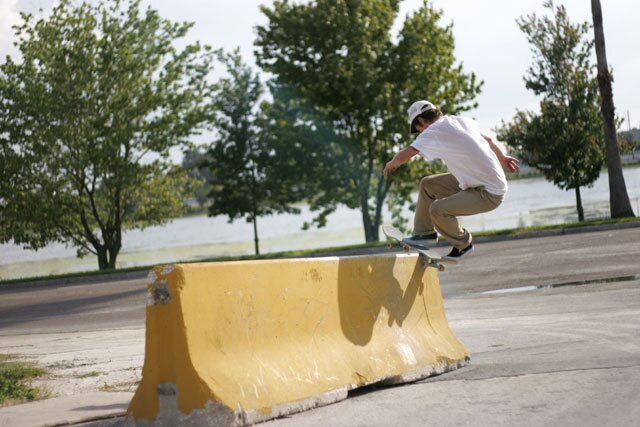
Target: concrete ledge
[(236, 343)]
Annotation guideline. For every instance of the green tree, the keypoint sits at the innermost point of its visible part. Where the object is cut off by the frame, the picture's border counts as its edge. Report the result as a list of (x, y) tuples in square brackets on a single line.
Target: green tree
[(340, 56), (304, 147), (87, 119), (564, 140), (193, 162), (619, 202), (627, 143), (251, 158)]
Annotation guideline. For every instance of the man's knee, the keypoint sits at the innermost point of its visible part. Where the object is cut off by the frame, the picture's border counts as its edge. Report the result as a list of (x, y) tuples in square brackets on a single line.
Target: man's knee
[(437, 209), (427, 185)]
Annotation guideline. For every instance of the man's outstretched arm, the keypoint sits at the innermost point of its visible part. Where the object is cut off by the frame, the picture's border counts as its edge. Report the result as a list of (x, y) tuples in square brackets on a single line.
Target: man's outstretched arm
[(399, 159), (511, 163)]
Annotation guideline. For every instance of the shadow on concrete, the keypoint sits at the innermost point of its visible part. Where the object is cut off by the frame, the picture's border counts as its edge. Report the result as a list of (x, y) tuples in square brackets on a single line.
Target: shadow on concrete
[(122, 406), (365, 288)]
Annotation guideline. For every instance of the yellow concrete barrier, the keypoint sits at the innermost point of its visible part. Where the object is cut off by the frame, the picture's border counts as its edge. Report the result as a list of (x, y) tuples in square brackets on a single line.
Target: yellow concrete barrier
[(234, 343)]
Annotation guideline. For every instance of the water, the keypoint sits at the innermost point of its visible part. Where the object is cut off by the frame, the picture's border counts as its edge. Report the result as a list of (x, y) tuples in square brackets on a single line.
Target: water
[(529, 202)]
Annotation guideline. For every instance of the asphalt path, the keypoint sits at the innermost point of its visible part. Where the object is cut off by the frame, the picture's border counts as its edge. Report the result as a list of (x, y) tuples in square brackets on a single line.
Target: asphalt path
[(73, 308)]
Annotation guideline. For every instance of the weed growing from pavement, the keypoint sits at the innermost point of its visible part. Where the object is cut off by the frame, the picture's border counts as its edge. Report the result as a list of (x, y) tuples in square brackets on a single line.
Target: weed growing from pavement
[(122, 386), (15, 381), (89, 374), (108, 387), (61, 365)]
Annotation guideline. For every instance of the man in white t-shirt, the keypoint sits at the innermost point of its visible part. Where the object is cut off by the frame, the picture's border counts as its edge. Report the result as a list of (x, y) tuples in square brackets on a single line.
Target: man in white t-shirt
[(475, 183)]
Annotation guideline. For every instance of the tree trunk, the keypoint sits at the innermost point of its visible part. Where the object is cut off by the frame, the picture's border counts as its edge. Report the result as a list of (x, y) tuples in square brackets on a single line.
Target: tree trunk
[(254, 203), (579, 205), (378, 218), (381, 195), (113, 255), (372, 225), (370, 229), (618, 198), (255, 234), (108, 255), (103, 258), (366, 221)]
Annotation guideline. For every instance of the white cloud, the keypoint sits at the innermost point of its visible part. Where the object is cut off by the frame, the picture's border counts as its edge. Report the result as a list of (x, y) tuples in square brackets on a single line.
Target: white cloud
[(8, 17)]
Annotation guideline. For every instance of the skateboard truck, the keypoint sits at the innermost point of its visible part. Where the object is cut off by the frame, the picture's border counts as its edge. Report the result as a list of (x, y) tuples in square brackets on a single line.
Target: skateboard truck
[(429, 258)]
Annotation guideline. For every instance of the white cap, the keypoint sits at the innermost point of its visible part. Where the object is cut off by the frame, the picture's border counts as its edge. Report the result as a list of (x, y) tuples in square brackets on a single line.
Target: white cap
[(416, 109)]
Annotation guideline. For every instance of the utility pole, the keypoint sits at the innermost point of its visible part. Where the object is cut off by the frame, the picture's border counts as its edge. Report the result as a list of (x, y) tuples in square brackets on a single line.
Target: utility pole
[(633, 152)]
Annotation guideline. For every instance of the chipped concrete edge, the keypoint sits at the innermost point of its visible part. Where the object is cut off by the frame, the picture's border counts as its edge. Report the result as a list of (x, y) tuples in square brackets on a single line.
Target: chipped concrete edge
[(422, 373), (158, 291), (215, 413), (252, 417)]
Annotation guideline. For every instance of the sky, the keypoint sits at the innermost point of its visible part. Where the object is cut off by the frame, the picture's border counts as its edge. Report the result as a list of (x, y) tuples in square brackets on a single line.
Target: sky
[(488, 42)]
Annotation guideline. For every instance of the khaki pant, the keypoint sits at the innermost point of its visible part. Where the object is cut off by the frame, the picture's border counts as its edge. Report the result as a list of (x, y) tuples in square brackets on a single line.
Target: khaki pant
[(440, 200)]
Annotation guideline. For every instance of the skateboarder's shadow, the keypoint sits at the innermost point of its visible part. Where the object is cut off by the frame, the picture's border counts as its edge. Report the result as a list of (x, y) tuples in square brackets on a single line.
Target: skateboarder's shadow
[(363, 290)]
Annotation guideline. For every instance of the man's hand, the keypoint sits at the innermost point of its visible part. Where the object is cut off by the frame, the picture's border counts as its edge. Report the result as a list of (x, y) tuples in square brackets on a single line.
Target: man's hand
[(390, 167), (399, 159), (511, 163)]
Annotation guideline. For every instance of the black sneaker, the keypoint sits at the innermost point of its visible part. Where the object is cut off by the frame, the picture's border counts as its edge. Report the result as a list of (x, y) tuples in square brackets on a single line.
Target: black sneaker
[(424, 240), (457, 254)]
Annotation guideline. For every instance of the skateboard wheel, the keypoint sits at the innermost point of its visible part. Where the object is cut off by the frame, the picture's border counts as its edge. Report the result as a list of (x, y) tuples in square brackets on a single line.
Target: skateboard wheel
[(441, 267)]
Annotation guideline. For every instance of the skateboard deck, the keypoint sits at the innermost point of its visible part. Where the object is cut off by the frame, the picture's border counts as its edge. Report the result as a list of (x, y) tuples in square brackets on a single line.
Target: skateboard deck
[(429, 257)]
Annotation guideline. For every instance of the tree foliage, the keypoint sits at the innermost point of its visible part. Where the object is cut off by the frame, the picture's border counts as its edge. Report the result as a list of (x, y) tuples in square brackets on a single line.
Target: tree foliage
[(340, 56), (564, 140), (628, 141), (201, 177), (256, 161), (87, 118)]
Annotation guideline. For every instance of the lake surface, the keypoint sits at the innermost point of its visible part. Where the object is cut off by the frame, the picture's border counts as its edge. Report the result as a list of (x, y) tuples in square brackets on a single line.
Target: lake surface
[(528, 202)]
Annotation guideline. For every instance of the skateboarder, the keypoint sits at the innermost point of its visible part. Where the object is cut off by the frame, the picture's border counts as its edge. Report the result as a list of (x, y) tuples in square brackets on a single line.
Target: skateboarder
[(475, 183)]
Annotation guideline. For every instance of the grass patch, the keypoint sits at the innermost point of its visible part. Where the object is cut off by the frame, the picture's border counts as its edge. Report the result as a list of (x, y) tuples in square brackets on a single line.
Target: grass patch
[(89, 374), (61, 365), (631, 163), (517, 176), (15, 381)]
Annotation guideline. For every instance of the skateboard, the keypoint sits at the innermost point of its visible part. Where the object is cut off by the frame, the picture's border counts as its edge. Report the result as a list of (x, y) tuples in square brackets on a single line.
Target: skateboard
[(429, 258)]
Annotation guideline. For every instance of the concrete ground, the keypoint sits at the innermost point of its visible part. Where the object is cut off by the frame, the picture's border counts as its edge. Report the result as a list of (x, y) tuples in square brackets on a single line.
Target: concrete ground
[(546, 349), (552, 357)]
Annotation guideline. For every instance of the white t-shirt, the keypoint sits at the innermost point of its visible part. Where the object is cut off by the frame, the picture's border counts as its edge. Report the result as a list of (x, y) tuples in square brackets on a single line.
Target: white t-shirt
[(459, 142)]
